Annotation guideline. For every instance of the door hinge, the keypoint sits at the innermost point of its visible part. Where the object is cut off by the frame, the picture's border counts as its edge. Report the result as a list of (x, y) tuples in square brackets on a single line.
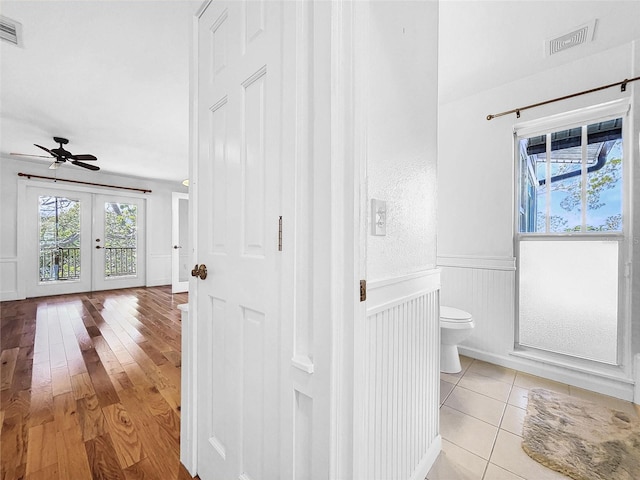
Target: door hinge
[(280, 233), (363, 290)]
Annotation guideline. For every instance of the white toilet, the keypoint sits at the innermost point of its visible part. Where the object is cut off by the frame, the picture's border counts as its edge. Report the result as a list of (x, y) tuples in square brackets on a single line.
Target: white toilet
[(455, 326)]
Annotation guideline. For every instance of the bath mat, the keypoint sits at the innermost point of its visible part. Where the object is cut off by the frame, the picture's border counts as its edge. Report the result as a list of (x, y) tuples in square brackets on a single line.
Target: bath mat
[(581, 439)]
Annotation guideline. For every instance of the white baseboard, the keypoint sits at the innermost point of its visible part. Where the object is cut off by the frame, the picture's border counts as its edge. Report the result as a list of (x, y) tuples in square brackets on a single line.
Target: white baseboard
[(428, 460), (620, 388), (636, 376)]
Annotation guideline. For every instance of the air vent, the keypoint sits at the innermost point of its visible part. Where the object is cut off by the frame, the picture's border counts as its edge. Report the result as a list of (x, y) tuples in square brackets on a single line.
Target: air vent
[(10, 31), (578, 36)]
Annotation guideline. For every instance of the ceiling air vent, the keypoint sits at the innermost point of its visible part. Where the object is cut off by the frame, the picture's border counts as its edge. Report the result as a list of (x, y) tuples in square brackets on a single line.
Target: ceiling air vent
[(10, 31), (578, 36)]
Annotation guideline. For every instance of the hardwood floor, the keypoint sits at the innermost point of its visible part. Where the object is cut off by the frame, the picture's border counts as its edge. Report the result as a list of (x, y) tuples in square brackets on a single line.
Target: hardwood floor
[(90, 386)]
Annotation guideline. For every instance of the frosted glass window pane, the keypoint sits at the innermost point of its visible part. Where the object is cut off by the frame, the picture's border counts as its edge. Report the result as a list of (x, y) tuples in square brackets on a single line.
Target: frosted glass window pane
[(569, 298)]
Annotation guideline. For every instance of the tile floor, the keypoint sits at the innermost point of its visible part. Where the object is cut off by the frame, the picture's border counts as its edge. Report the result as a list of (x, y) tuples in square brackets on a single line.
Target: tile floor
[(482, 410)]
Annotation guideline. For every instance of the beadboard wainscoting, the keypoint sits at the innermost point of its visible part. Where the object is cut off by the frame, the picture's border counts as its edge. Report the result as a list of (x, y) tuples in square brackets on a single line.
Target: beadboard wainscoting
[(484, 287), (397, 379)]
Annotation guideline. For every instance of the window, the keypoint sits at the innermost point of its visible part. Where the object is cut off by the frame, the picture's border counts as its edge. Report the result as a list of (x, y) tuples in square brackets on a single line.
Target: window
[(569, 236), (571, 180)]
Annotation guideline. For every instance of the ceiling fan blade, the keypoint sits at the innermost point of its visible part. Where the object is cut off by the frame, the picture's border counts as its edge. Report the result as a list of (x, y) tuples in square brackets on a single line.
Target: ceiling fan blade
[(46, 150), (54, 166), (27, 155), (84, 157), (85, 165)]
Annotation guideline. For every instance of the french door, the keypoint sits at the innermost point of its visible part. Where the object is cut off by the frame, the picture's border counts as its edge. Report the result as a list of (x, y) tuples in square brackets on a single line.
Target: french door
[(78, 241)]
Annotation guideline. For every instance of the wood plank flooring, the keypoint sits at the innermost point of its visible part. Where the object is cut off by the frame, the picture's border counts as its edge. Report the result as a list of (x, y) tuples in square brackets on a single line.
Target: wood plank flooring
[(90, 386)]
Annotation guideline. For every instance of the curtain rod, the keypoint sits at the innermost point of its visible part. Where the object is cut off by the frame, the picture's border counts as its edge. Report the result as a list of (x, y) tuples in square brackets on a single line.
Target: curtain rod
[(623, 87), (29, 175)]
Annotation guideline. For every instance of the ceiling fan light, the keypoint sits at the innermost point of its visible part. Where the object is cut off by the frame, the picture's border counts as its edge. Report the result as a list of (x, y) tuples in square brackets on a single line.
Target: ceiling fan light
[(54, 166)]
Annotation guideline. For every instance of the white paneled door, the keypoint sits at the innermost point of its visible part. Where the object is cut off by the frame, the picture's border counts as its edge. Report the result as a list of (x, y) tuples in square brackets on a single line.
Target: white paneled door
[(238, 189)]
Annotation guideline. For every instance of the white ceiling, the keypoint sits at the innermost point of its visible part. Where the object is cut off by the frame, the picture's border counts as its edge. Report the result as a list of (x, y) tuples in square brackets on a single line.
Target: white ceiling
[(484, 44), (112, 76)]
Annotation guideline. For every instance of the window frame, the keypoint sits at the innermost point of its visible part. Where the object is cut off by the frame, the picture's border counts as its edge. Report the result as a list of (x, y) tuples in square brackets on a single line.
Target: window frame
[(577, 118), (564, 121)]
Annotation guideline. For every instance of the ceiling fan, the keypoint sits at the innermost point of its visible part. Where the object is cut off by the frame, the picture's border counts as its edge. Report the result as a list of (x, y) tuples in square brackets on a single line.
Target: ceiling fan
[(60, 155)]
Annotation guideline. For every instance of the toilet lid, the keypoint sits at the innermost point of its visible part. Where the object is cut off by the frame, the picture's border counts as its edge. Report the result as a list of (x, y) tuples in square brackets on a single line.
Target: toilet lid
[(450, 314)]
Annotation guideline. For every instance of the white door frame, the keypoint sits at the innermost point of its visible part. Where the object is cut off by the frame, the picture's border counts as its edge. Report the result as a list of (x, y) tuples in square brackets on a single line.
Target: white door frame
[(336, 206), (177, 286)]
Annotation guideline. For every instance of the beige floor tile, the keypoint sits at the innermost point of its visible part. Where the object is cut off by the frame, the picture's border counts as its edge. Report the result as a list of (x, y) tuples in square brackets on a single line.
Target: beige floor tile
[(467, 432), (495, 472), (477, 405), (452, 378), (485, 385), (519, 397), (604, 400), (465, 362), (496, 372), (527, 381), (456, 463), (513, 419), (509, 455), (455, 377), (445, 390)]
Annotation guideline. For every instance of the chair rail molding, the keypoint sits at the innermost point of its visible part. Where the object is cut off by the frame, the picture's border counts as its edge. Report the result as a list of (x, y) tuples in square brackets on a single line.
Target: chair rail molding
[(477, 261)]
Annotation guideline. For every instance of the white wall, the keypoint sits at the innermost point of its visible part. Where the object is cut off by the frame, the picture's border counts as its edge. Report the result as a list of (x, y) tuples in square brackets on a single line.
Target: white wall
[(402, 135), (158, 271), (400, 103), (476, 187)]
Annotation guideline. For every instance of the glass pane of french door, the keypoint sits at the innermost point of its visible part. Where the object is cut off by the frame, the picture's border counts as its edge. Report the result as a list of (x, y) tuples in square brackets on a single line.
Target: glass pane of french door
[(120, 239), (59, 251)]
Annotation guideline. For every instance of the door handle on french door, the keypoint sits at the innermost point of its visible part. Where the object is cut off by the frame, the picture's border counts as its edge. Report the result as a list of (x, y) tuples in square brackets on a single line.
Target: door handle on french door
[(199, 271), (175, 247), (98, 246)]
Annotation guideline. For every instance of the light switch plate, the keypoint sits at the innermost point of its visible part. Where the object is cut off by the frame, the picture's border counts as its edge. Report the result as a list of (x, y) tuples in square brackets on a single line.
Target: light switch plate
[(378, 217)]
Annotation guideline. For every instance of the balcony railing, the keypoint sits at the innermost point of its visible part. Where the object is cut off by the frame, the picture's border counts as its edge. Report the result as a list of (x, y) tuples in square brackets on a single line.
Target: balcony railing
[(120, 261), (64, 263), (59, 264)]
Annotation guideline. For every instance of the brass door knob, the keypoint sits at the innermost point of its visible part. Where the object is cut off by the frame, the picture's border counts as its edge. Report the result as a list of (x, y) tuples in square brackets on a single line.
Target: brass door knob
[(199, 271)]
